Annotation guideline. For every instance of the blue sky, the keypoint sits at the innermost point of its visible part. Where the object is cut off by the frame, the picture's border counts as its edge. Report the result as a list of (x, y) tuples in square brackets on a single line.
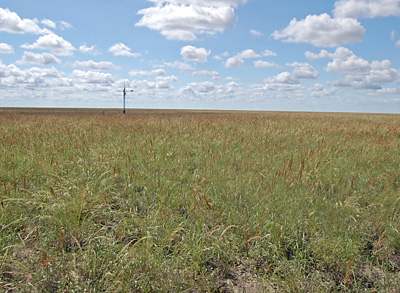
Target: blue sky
[(202, 54)]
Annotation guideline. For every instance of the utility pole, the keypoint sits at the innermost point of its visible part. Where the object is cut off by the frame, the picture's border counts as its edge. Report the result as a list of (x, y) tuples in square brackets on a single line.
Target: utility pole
[(124, 96), (124, 93)]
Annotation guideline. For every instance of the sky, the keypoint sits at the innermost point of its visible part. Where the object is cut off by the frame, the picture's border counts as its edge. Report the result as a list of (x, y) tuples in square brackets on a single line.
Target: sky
[(286, 55)]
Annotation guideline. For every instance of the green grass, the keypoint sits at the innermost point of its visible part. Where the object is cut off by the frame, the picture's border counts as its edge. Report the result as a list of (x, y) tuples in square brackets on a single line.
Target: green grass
[(199, 201)]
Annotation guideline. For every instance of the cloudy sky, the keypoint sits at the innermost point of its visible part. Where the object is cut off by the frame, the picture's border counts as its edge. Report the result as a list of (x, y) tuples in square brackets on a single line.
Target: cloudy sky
[(308, 55)]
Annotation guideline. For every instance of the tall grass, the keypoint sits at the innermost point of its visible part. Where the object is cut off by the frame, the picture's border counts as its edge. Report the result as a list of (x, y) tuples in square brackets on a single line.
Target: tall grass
[(199, 201)]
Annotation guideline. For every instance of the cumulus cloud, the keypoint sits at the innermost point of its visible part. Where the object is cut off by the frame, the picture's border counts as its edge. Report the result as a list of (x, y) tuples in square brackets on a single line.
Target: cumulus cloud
[(6, 49), (92, 65), (12, 76), (322, 54), (171, 78), (318, 90), (156, 72), (256, 33), (247, 54), (11, 22), (38, 59), (121, 49), (64, 25), (359, 73), (234, 62), (284, 81), (179, 65), (237, 60), (220, 57), (284, 77), (88, 50), (212, 74), (203, 87), (202, 2), (389, 91), (184, 19), (303, 71), (366, 8), (54, 43), (264, 64), (9, 70), (322, 31), (191, 53), (346, 62), (267, 53), (163, 85), (92, 77), (49, 23), (59, 24)]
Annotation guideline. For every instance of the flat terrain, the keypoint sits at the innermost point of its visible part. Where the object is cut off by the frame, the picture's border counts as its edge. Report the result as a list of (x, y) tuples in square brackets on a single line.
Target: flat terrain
[(176, 200)]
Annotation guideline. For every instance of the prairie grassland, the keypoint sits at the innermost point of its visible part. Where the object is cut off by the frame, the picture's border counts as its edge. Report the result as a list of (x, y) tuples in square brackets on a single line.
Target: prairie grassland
[(199, 201)]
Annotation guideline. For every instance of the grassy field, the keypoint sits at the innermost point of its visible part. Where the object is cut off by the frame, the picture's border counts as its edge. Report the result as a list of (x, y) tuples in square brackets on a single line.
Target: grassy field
[(198, 201)]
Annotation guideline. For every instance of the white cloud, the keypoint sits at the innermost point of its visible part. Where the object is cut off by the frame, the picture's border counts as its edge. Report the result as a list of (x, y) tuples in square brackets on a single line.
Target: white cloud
[(237, 60), (389, 91), (318, 90), (284, 82), (12, 76), (220, 57), (92, 65), (163, 85), (366, 8), (171, 78), (359, 73), (60, 24), (121, 49), (91, 77), (38, 59), (322, 31), (9, 70), (49, 23), (54, 43), (256, 33), (316, 87), (264, 64), (12, 23), (356, 83), (156, 72), (247, 54), (187, 90), (179, 65), (6, 49), (284, 77), (398, 43), (203, 87), (346, 62), (234, 62), (208, 90), (191, 53), (232, 84), (212, 74), (183, 20), (322, 54), (303, 71), (88, 50), (64, 25), (267, 53), (216, 3)]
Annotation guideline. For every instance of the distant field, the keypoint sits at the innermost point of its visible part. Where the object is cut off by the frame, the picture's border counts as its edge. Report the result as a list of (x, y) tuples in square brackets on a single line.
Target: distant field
[(176, 200)]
